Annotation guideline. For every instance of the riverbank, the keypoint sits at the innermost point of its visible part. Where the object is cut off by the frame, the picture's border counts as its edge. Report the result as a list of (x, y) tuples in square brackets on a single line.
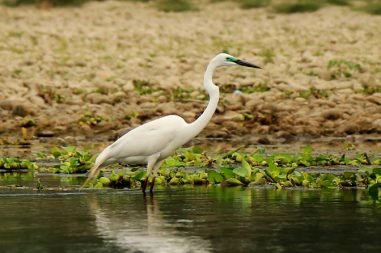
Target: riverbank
[(106, 67)]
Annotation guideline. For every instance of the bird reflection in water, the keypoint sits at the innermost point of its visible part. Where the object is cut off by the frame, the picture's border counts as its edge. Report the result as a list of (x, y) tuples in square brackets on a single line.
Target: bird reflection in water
[(144, 230)]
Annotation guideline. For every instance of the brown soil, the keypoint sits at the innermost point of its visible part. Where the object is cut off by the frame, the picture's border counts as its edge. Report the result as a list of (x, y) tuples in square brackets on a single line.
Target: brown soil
[(109, 66)]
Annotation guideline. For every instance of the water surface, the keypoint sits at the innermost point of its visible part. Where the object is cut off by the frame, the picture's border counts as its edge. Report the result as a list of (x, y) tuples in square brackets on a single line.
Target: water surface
[(195, 219)]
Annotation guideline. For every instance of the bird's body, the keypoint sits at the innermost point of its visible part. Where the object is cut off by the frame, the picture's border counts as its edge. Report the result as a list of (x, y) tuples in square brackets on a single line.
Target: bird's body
[(154, 141), (154, 138)]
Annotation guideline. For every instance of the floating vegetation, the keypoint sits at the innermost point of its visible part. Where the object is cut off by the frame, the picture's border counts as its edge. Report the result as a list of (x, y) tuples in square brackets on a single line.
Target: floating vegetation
[(16, 164), (193, 166), (259, 168), (70, 159)]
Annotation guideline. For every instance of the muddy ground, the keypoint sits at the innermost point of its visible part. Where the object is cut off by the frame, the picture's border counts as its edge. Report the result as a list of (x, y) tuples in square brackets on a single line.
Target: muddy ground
[(105, 67)]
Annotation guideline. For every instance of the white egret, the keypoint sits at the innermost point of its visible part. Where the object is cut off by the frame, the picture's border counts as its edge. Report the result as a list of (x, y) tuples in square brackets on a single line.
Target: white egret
[(154, 141)]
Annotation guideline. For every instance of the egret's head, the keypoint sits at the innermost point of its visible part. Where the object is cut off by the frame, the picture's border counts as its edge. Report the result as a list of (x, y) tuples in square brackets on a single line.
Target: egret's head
[(228, 60)]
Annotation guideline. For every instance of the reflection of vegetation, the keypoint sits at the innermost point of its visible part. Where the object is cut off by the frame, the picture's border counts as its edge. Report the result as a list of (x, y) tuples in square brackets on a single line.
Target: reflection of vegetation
[(15, 178)]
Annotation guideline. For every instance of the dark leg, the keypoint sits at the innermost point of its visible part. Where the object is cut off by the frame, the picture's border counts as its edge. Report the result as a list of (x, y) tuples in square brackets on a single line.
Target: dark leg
[(144, 185), (152, 184)]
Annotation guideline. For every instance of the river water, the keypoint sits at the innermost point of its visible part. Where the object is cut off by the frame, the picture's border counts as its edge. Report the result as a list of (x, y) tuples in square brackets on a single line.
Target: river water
[(193, 219)]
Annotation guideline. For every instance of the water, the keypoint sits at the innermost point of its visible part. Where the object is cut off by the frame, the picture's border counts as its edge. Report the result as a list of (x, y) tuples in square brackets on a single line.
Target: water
[(195, 219)]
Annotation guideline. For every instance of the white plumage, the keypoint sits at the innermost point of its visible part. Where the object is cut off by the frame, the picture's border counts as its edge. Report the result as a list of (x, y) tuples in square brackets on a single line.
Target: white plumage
[(154, 141)]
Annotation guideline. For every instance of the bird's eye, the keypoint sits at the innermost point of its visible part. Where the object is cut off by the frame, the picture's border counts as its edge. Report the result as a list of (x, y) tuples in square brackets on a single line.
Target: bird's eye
[(230, 59)]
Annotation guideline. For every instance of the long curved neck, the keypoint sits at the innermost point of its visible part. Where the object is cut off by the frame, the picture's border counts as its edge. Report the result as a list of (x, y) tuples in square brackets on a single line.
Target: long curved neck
[(196, 127)]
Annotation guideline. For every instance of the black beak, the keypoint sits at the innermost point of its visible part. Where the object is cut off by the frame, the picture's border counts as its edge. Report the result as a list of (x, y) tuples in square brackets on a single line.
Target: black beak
[(246, 64)]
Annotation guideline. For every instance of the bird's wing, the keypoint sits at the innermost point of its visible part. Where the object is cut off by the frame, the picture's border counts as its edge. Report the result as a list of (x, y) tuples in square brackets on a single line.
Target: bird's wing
[(148, 139)]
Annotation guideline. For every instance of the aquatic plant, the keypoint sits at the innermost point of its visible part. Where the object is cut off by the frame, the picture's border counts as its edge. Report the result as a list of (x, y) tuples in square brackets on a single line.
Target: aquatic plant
[(16, 164), (259, 168), (71, 160)]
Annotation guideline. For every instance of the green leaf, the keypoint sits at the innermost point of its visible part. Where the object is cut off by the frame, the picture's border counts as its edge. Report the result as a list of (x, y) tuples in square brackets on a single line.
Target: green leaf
[(172, 162), (197, 150), (238, 157), (377, 171), (366, 170), (289, 171), (227, 172), (307, 151), (233, 182), (242, 172), (139, 175), (104, 181), (175, 181), (214, 177), (246, 165), (56, 152)]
